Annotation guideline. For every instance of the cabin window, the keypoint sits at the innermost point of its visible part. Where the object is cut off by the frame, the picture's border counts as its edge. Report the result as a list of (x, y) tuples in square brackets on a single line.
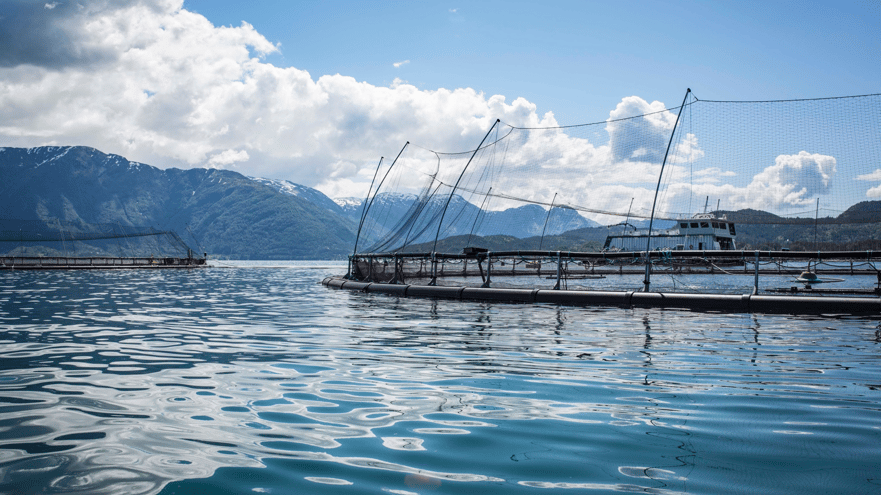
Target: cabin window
[(722, 225), (694, 225), (705, 225), (683, 225), (731, 229), (715, 225)]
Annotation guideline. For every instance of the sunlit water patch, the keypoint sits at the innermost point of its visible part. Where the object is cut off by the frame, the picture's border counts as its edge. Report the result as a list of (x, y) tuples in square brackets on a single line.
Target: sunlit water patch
[(257, 379)]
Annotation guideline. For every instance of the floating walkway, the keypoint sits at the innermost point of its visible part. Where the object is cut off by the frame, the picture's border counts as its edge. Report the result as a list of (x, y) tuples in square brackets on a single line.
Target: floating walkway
[(94, 263), (728, 303)]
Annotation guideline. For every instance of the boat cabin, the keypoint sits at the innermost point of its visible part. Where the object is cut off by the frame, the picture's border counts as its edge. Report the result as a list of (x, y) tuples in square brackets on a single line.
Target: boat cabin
[(703, 232)]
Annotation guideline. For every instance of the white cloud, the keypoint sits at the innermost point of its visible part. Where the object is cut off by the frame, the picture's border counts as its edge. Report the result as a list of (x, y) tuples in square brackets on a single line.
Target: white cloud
[(874, 192), (876, 175), (228, 157), (158, 84), (51, 6), (641, 139), (793, 181), (399, 64)]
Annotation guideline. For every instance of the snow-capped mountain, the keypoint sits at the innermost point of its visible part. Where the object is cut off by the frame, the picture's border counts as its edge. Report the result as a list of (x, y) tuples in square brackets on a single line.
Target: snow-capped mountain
[(312, 195)]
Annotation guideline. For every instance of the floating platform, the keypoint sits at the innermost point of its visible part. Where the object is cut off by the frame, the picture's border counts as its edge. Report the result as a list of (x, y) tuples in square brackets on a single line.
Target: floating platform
[(813, 290), (95, 263), (729, 303)]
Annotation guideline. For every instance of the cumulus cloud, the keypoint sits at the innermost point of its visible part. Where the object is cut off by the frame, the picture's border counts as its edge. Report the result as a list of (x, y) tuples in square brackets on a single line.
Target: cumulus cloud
[(399, 64), (642, 139), (151, 81), (793, 181), (873, 192), (228, 157)]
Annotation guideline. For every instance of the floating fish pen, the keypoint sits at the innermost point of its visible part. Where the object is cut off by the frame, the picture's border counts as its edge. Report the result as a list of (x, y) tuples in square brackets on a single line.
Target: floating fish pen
[(69, 263), (714, 205), (498, 276), (42, 245)]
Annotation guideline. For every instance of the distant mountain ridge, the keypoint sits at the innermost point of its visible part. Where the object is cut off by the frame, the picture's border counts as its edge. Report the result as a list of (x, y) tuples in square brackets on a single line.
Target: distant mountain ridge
[(229, 214), (520, 222), (234, 216)]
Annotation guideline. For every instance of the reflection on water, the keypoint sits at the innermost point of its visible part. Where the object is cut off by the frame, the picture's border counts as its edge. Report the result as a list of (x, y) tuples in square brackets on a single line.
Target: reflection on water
[(232, 380)]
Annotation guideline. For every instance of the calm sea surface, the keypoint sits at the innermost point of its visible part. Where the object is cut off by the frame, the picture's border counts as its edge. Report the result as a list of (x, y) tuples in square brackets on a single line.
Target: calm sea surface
[(259, 380)]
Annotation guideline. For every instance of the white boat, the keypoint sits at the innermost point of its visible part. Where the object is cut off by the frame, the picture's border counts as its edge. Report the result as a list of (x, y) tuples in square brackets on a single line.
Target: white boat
[(703, 232)]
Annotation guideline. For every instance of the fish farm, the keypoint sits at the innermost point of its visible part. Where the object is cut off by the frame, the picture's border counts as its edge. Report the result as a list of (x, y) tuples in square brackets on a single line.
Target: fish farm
[(52, 245), (759, 206)]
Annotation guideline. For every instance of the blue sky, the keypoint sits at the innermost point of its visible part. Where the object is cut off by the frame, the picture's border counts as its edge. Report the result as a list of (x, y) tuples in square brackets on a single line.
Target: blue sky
[(579, 58), (315, 92)]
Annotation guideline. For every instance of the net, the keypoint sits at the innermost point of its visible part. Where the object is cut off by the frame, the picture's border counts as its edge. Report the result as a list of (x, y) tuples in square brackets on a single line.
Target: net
[(53, 237), (789, 173)]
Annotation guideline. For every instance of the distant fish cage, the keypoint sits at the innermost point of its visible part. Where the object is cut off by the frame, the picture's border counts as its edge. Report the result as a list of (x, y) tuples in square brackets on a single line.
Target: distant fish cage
[(73, 263), (54, 245)]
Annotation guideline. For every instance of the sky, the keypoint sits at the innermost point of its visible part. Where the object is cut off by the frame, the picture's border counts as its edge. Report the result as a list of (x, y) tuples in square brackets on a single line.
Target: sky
[(317, 91)]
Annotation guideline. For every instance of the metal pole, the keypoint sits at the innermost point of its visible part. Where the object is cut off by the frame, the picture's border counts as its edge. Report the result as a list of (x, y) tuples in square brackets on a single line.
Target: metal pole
[(546, 222), (447, 204), (375, 193), (648, 244), (477, 217), (626, 221), (756, 286), (363, 214), (433, 269), (489, 269), (559, 270)]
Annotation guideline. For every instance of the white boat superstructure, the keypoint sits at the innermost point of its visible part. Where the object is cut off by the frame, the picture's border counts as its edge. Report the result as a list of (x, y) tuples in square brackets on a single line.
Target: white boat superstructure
[(702, 232)]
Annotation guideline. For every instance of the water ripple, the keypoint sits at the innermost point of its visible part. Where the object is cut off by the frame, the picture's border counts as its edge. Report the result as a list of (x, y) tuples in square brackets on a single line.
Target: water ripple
[(180, 381)]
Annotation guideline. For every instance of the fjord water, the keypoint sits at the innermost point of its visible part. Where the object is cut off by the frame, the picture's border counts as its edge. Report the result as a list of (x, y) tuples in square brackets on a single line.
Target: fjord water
[(259, 380)]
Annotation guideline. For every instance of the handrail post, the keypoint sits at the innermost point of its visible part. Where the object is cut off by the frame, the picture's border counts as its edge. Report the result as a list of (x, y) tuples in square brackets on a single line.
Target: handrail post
[(559, 270), (756, 286), (433, 280), (489, 269)]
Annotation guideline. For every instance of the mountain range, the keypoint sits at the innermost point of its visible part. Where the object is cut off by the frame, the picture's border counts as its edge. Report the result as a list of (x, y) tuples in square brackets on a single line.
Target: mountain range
[(228, 214), (222, 212)]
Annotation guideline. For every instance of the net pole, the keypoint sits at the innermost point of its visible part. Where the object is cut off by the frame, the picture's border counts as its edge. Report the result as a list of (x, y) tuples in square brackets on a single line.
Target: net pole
[(376, 193), (542, 240), (444, 212), (367, 200), (648, 244), (363, 214), (477, 217), (627, 220)]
